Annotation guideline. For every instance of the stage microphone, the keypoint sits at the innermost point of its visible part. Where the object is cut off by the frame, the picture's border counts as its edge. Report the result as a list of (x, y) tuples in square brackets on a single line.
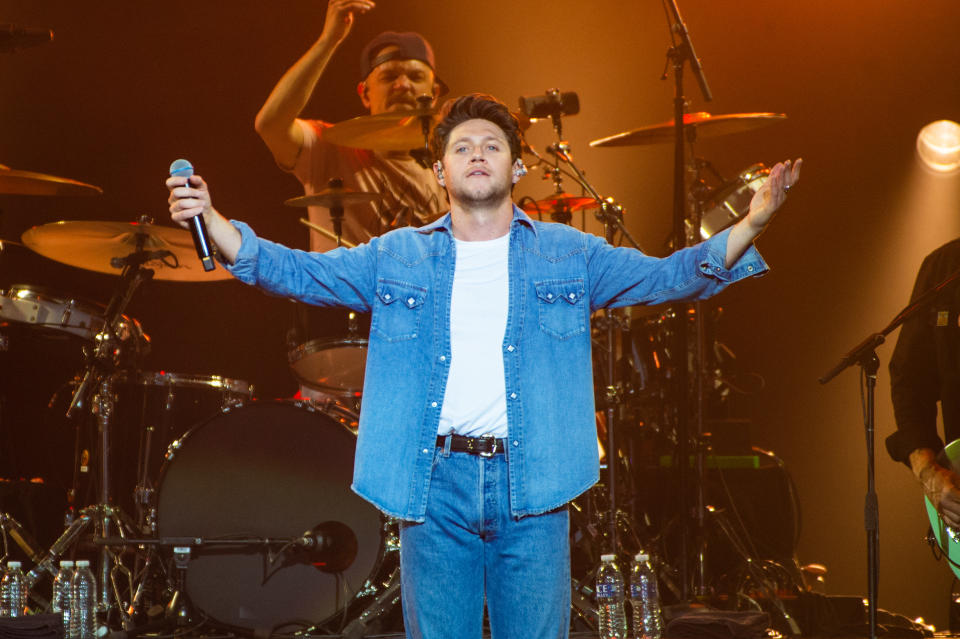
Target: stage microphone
[(550, 105), (330, 546), (198, 228), (13, 37)]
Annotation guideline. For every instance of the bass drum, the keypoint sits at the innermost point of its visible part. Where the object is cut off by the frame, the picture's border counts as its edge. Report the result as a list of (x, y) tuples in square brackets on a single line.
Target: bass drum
[(277, 470)]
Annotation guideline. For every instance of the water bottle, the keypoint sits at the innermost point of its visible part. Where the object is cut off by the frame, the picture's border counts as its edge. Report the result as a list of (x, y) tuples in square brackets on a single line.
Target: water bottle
[(83, 603), (62, 593), (645, 599), (13, 591), (610, 598)]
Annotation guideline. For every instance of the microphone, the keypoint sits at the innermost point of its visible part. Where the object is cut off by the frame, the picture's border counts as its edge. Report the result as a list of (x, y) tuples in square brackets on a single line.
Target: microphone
[(13, 37), (330, 546), (198, 228), (552, 104)]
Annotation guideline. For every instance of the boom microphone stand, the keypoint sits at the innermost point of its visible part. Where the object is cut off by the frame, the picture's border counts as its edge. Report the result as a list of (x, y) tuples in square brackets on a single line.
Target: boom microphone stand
[(864, 355)]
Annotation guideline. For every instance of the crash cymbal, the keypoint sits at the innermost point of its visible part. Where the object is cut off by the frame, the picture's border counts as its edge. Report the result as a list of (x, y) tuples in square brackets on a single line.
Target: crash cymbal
[(29, 183), (702, 124), (334, 196), (561, 201), (102, 247), (392, 131)]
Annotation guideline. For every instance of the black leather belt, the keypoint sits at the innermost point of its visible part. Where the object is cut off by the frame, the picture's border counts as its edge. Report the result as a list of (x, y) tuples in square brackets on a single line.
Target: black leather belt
[(483, 446)]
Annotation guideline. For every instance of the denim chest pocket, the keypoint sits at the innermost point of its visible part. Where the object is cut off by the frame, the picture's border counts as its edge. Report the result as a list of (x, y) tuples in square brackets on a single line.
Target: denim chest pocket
[(398, 311), (560, 304)]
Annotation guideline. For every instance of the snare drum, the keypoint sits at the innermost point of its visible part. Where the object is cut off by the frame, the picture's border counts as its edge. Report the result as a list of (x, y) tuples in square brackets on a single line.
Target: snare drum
[(271, 470)]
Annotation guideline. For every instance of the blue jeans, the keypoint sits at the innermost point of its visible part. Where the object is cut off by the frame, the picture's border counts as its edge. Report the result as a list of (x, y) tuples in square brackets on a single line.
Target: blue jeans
[(469, 546)]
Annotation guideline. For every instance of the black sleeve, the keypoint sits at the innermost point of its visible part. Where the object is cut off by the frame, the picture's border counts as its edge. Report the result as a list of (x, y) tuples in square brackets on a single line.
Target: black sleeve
[(914, 377)]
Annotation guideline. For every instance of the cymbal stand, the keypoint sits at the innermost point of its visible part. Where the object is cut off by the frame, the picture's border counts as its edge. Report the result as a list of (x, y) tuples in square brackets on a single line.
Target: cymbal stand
[(422, 154), (678, 55), (96, 392), (336, 211)]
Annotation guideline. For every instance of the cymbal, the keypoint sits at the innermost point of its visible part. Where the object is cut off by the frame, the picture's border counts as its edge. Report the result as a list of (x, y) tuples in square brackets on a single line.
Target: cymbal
[(14, 182), (391, 131), (702, 124), (97, 246), (333, 196), (562, 201)]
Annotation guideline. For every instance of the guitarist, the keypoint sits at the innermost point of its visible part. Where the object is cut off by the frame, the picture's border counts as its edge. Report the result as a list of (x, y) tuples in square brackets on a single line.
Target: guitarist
[(925, 369)]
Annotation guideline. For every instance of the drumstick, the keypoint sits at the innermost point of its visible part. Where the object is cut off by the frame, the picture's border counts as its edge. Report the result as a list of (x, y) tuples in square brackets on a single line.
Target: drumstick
[(325, 232)]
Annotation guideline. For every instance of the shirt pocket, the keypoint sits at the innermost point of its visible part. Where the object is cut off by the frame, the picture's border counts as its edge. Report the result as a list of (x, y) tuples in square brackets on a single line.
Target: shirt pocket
[(560, 305), (398, 310)]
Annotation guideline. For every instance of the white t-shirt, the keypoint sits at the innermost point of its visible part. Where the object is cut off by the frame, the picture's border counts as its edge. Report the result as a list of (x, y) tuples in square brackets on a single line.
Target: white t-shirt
[(475, 402)]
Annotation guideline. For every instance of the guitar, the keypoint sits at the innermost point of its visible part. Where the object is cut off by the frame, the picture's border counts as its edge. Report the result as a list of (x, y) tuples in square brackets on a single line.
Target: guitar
[(948, 538)]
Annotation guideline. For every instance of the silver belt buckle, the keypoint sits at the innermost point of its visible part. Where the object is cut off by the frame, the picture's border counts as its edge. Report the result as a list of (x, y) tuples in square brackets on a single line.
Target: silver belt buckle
[(493, 448)]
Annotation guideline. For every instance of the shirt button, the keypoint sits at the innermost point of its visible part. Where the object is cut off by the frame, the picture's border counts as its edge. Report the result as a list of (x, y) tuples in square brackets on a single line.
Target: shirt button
[(433, 404), (716, 268), (516, 443), (426, 450), (510, 348), (386, 296), (443, 358), (410, 301), (573, 296), (549, 296), (513, 395), (750, 268)]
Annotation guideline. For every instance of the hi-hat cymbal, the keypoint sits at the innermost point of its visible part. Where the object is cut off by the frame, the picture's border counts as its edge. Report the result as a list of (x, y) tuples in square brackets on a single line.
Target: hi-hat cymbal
[(392, 131), (699, 124), (14, 182), (334, 196), (102, 247), (560, 201)]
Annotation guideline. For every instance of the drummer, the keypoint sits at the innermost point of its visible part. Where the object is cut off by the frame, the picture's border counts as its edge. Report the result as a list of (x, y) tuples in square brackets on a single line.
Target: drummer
[(395, 68)]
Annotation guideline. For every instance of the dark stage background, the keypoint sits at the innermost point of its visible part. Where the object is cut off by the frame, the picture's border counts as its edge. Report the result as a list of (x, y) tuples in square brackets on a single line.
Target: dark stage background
[(125, 88)]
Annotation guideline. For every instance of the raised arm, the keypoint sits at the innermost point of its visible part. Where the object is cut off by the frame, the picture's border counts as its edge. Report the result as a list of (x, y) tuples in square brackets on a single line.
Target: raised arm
[(189, 199), (276, 122), (762, 207)]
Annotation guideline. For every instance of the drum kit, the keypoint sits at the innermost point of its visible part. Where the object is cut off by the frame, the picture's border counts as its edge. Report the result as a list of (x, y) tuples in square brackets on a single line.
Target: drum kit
[(183, 460)]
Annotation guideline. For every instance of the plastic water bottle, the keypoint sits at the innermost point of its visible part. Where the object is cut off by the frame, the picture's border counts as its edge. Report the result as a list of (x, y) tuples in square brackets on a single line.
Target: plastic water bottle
[(83, 602), (610, 599), (645, 599), (62, 593), (13, 591)]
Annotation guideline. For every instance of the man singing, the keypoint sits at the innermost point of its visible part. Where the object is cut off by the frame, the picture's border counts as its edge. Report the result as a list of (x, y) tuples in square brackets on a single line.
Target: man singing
[(477, 425)]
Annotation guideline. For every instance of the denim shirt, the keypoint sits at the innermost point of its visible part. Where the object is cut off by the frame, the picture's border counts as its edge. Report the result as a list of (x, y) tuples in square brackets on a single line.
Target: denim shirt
[(558, 276)]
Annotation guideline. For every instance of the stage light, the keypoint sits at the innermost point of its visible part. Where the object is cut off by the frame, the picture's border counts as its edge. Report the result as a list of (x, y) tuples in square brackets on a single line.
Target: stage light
[(938, 145)]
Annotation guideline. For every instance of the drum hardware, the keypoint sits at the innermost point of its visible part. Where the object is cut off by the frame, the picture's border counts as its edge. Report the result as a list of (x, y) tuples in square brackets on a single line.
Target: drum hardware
[(10, 528), (14, 182), (334, 198)]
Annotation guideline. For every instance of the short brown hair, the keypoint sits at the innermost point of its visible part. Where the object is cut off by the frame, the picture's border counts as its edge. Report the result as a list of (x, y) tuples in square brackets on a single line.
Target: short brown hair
[(475, 106)]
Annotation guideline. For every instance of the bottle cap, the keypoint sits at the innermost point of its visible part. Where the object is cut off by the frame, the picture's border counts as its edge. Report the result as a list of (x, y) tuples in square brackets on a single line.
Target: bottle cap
[(608, 557), (13, 564), (642, 556), (83, 563), (66, 563)]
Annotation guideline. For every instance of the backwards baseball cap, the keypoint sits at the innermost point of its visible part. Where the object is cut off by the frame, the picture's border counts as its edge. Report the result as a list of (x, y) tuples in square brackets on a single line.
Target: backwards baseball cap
[(409, 46)]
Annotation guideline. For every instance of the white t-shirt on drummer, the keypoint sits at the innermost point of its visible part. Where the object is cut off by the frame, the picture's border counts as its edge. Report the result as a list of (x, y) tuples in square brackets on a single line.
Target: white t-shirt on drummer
[(475, 401)]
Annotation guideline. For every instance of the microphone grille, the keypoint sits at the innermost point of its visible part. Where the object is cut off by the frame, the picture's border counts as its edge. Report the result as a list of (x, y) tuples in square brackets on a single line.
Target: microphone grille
[(181, 167)]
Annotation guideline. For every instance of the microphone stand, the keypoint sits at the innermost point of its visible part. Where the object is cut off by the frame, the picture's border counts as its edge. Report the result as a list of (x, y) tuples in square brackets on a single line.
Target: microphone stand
[(864, 355), (679, 54)]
